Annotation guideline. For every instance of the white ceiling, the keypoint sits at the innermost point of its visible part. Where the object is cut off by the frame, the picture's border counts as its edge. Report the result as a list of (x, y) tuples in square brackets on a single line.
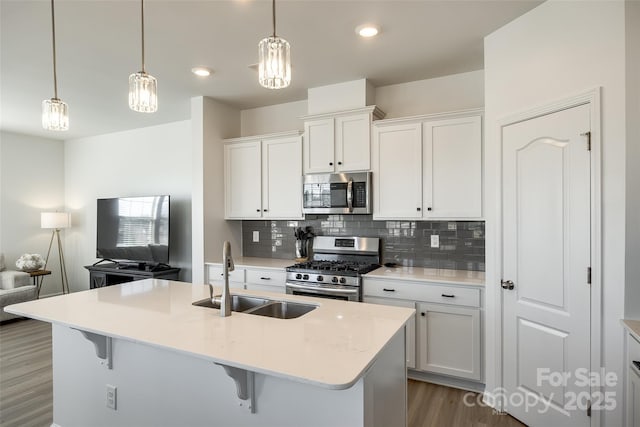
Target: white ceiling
[(98, 46)]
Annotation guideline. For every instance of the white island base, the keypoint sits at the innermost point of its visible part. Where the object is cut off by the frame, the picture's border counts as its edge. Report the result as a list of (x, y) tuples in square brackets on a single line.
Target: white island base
[(158, 387)]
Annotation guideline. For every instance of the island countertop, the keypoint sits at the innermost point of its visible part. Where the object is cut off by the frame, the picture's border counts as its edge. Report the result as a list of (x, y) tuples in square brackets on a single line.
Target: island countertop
[(331, 346)]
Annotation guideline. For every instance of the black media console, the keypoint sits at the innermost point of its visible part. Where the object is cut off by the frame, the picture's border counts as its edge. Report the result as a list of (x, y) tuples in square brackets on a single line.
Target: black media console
[(112, 274)]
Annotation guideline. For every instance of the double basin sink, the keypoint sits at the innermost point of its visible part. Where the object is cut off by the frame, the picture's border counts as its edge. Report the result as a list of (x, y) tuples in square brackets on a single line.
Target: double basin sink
[(262, 306)]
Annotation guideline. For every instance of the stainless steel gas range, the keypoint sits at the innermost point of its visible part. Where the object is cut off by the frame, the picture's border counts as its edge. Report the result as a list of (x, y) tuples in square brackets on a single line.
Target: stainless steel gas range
[(336, 268)]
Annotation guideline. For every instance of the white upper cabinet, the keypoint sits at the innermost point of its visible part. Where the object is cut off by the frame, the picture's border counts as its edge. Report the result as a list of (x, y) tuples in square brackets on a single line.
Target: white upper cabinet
[(397, 179), (242, 180), (452, 172), (282, 178), (318, 146), (442, 152), (263, 177), (339, 142)]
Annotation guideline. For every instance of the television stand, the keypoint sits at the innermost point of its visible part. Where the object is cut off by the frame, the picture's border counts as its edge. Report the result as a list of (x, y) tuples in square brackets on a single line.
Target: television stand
[(112, 274)]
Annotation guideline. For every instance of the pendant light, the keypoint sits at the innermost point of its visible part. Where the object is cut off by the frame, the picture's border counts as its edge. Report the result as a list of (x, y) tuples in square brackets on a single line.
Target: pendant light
[(143, 87), (274, 68), (55, 112)]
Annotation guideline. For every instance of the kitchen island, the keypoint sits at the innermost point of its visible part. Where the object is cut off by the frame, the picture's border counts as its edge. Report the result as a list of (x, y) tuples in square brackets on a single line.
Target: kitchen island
[(175, 364)]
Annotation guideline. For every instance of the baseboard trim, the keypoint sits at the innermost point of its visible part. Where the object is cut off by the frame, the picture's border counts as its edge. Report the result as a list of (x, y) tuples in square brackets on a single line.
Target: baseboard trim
[(446, 381)]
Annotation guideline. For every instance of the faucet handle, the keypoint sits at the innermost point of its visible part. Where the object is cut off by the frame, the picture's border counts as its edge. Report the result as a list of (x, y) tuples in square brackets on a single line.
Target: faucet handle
[(230, 266)]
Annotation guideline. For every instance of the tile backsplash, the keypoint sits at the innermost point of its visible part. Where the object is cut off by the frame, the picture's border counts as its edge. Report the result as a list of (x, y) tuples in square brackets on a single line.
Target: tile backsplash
[(404, 242)]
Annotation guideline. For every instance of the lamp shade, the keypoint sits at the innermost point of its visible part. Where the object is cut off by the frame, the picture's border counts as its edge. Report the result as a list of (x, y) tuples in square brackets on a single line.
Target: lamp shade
[(55, 220)]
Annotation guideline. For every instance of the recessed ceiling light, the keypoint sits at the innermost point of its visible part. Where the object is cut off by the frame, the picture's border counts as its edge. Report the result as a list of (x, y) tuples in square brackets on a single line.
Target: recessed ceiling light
[(201, 71), (367, 30)]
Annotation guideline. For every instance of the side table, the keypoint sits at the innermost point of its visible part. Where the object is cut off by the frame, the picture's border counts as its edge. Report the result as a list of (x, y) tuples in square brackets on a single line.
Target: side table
[(38, 283)]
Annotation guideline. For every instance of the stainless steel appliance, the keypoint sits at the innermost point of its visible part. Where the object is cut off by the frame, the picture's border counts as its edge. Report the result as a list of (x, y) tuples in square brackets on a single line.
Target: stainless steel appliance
[(337, 193), (336, 268)]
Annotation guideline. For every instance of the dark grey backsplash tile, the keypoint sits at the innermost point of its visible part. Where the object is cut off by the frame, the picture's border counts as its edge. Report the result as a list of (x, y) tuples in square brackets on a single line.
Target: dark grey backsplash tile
[(404, 242)]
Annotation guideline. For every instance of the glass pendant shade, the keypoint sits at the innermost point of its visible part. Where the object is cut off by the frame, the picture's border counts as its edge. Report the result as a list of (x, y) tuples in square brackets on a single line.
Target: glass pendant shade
[(143, 92), (274, 67), (55, 114)]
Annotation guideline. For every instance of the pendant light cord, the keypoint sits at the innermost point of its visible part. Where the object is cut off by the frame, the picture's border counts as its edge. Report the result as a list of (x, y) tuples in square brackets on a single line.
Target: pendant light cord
[(273, 9), (142, 21), (53, 38)]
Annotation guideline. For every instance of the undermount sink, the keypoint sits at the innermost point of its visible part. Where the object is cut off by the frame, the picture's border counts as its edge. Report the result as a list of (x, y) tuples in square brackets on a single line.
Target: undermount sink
[(238, 303), (262, 307), (283, 309)]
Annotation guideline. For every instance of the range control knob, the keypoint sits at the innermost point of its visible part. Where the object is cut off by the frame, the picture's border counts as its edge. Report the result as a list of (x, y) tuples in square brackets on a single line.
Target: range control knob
[(334, 279), (298, 276), (319, 278), (305, 277), (343, 280)]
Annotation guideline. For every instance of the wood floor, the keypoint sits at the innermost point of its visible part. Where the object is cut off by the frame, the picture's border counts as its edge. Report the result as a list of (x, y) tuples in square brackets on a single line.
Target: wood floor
[(26, 393)]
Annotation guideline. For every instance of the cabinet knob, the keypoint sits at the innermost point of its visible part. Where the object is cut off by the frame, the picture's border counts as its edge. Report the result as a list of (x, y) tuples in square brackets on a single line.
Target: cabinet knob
[(257, 210), (429, 209), (330, 163), (264, 210), (418, 209), (423, 314), (339, 163)]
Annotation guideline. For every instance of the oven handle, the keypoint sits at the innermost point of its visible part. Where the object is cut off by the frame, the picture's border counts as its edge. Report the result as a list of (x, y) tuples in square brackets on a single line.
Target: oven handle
[(315, 288), (350, 195)]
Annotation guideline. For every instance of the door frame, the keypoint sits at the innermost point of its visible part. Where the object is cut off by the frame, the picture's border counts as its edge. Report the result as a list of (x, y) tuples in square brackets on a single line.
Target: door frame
[(494, 293)]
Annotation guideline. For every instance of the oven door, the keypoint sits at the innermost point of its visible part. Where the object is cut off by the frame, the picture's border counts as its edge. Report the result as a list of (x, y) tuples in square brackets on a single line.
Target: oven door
[(344, 293)]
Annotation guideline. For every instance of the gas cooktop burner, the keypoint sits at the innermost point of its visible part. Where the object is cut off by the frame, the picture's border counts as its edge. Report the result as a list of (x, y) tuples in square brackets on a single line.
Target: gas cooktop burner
[(335, 266)]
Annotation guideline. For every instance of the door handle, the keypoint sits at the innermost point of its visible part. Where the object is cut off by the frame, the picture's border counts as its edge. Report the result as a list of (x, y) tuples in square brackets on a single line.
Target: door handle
[(507, 284)]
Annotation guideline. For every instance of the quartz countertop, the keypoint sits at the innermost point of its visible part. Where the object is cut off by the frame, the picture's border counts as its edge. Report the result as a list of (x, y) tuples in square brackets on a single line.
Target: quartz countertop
[(454, 277), (248, 262), (633, 326), (331, 346)]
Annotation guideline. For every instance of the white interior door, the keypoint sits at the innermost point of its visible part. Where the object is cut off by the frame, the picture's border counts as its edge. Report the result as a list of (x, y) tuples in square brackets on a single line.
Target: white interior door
[(546, 254)]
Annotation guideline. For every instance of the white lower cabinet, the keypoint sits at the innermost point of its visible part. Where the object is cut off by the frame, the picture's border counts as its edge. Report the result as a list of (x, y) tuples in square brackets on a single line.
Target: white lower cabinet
[(448, 340), (269, 280), (444, 338), (633, 398), (411, 326)]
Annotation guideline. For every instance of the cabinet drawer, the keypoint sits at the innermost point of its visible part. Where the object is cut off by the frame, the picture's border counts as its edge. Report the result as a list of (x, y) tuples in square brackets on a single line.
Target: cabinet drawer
[(422, 292), (267, 277), (215, 274)]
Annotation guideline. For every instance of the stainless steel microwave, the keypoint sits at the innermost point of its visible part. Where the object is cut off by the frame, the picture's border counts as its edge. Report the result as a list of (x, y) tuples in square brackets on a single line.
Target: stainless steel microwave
[(337, 193)]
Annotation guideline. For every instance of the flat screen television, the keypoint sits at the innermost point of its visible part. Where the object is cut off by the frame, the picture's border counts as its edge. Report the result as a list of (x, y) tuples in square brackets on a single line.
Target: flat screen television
[(134, 229)]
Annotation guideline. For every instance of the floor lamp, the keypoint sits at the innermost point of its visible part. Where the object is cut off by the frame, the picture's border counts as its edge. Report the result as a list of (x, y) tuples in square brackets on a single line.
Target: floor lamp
[(56, 221)]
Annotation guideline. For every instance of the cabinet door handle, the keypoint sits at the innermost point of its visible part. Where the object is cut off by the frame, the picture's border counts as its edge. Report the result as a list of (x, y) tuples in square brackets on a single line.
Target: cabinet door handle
[(339, 163), (264, 210), (265, 278), (423, 314), (388, 290), (330, 163), (448, 295), (429, 209), (257, 210)]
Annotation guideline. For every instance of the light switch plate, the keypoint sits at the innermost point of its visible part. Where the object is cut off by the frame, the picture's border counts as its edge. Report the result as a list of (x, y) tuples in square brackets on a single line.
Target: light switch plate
[(435, 241), (256, 236)]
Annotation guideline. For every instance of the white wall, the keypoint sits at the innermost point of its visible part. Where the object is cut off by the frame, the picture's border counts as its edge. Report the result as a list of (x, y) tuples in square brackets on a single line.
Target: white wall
[(632, 277), (449, 93), (274, 118), (212, 122), (31, 182), (146, 161), (545, 55)]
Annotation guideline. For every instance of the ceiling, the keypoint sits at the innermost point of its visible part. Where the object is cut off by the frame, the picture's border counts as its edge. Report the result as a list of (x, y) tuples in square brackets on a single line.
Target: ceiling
[(98, 46)]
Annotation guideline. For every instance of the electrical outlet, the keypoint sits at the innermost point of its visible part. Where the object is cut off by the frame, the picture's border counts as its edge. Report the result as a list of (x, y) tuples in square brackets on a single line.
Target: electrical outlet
[(256, 236), (435, 241), (111, 396)]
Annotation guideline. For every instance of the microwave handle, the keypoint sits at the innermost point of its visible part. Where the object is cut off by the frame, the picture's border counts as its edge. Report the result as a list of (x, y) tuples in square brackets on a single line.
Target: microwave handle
[(350, 195)]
